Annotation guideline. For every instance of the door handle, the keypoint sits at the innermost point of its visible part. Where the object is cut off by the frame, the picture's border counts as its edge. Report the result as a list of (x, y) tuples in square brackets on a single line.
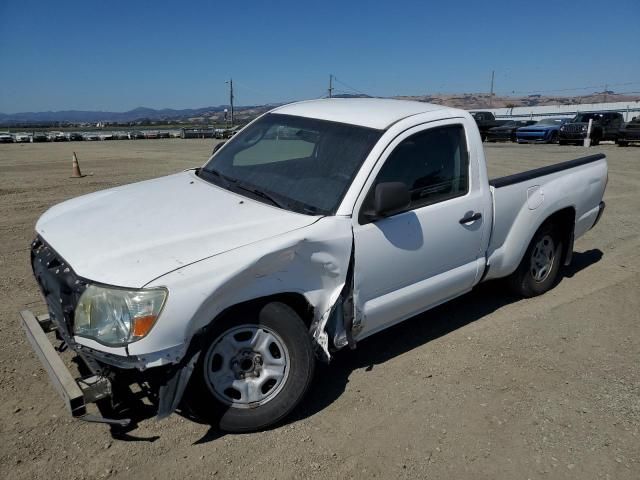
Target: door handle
[(471, 218)]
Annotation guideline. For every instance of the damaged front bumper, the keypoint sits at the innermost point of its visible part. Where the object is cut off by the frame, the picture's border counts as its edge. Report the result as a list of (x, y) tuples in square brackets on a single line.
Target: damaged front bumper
[(75, 392), (109, 380)]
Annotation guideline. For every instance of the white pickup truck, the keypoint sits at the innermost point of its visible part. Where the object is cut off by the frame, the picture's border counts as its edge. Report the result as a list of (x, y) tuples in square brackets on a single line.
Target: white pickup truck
[(319, 224)]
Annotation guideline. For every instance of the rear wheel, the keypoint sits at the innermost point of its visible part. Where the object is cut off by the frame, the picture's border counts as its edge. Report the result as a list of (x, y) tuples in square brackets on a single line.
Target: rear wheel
[(539, 268), (254, 370)]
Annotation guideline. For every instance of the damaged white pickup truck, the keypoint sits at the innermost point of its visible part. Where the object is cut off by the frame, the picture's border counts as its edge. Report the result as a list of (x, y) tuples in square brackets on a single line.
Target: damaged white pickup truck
[(319, 224)]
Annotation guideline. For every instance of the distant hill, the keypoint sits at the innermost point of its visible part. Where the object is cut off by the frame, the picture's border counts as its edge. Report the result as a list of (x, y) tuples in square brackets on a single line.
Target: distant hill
[(465, 101), (140, 113), (471, 101)]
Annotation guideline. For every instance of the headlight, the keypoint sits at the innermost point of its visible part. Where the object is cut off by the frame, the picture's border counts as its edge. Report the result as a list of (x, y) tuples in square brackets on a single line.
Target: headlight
[(115, 316), (584, 128), (562, 128)]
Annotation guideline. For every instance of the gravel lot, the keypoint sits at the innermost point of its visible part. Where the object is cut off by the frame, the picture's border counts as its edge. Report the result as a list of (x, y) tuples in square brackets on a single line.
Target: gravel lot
[(485, 387)]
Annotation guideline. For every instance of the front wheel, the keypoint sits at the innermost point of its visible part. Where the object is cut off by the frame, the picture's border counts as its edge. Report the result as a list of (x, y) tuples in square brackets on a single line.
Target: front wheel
[(254, 369), (538, 270)]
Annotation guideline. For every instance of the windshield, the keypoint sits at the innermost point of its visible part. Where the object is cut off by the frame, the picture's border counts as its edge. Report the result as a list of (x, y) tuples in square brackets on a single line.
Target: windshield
[(297, 163), (551, 121), (585, 117)]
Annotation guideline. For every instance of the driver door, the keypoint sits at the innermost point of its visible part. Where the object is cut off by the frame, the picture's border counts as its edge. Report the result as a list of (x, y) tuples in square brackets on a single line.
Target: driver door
[(413, 260)]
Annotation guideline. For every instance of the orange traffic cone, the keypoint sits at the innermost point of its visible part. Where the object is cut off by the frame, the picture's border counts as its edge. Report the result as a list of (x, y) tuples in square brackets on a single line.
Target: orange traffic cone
[(76, 168)]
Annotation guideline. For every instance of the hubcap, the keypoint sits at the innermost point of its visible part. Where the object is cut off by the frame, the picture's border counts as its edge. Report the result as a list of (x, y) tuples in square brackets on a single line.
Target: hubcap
[(246, 366), (542, 259)]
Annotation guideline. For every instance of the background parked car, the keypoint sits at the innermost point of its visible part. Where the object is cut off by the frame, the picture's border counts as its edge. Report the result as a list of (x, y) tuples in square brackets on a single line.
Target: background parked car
[(507, 132), (21, 137), (39, 137), (5, 137), (606, 126), (629, 133), (91, 136), (57, 137), (136, 135), (544, 131), (74, 136), (485, 121)]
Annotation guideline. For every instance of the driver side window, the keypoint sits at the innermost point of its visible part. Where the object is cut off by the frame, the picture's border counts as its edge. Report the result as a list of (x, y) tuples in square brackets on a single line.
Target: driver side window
[(433, 164)]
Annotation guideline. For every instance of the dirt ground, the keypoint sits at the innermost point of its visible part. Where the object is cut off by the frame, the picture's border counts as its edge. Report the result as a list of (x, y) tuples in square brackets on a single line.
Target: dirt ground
[(485, 387)]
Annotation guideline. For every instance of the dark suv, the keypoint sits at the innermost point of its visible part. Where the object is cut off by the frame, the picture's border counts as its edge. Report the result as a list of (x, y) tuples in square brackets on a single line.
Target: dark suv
[(629, 133), (606, 126)]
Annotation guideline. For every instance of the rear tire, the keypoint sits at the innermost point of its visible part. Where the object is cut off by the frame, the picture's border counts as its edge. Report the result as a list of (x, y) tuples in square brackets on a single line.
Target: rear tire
[(539, 268), (254, 369)]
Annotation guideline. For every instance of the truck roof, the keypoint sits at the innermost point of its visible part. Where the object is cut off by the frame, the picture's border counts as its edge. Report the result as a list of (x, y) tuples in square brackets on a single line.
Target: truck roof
[(378, 113)]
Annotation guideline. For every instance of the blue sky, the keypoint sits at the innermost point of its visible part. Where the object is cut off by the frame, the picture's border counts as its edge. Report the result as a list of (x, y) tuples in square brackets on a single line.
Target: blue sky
[(119, 55)]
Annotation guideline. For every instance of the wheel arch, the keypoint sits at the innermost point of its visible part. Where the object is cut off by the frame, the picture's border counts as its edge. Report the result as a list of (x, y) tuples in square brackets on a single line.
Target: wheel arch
[(563, 221), (504, 260), (296, 300)]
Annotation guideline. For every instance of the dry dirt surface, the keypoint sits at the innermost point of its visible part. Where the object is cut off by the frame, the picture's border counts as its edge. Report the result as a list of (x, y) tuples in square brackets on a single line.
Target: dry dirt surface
[(485, 387)]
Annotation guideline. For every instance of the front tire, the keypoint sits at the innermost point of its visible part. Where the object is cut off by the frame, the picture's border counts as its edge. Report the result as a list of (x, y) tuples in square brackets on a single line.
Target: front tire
[(254, 369), (538, 271)]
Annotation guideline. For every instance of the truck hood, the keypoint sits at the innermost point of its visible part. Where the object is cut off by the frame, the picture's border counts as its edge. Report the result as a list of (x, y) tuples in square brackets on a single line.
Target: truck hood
[(539, 128), (130, 235)]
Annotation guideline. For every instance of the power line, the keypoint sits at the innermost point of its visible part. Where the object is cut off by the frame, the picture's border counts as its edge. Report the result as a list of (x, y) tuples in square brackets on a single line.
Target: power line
[(574, 89), (349, 86)]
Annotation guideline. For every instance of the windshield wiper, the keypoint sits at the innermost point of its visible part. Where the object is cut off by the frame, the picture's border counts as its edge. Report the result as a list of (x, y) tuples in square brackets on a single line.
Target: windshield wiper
[(231, 183), (261, 194), (208, 172)]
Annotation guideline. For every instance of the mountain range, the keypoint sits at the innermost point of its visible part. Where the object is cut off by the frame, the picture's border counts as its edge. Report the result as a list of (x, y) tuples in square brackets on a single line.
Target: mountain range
[(464, 100)]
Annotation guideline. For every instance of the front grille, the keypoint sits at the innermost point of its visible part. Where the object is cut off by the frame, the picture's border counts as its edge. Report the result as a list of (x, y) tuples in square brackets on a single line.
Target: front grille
[(59, 285), (572, 128)]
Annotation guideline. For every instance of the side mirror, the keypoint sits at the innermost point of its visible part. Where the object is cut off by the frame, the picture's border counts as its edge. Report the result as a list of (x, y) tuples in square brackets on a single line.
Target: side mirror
[(388, 198), (218, 147)]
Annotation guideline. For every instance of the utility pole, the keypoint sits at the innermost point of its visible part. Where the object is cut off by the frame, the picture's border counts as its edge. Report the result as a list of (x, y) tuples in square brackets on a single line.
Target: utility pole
[(491, 92), (330, 85), (231, 98), (605, 93)]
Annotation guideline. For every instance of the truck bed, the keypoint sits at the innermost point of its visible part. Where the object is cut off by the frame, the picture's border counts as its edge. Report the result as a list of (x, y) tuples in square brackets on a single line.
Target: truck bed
[(523, 201)]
